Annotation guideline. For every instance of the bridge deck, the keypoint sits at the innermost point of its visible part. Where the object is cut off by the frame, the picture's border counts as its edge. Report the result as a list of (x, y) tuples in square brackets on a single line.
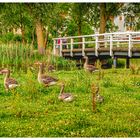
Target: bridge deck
[(117, 52)]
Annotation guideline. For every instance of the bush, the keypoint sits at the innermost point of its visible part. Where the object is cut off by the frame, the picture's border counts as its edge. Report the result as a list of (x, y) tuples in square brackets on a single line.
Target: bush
[(17, 38), (121, 63), (7, 37)]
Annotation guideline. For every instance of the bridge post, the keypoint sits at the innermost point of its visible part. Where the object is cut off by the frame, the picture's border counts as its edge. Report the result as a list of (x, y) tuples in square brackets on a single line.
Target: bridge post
[(111, 45), (127, 62), (60, 47), (83, 46), (96, 45), (130, 46), (115, 62), (71, 48)]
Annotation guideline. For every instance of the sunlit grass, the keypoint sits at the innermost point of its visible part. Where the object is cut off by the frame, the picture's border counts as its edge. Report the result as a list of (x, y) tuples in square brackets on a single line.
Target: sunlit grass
[(35, 111)]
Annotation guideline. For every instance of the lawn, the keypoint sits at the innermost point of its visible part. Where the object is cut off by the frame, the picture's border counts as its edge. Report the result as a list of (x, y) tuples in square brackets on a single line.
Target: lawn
[(33, 110)]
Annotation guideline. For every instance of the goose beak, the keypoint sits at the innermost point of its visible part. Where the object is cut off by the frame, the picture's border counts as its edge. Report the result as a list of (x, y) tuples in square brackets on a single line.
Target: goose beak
[(60, 84), (3, 71), (37, 63)]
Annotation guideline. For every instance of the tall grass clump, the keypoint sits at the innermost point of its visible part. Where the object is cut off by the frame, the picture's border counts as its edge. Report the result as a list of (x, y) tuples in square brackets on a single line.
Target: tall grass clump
[(134, 69), (125, 84), (62, 63), (135, 81), (22, 56), (107, 82), (14, 55)]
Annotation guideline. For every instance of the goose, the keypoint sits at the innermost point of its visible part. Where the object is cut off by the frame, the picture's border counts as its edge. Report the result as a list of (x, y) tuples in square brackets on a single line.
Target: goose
[(45, 79), (67, 97), (9, 83), (89, 68), (51, 68), (98, 97)]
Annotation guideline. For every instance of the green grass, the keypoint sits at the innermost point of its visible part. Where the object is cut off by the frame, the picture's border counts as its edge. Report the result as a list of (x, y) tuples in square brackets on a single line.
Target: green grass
[(35, 111)]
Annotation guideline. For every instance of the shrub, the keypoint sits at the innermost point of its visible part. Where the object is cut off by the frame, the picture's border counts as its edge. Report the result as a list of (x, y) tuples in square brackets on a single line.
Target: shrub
[(121, 63), (134, 69), (17, 38), (107, 82), (7, 37)]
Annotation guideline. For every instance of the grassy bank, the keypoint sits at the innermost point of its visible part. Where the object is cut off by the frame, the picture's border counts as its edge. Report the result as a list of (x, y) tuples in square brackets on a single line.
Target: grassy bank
[(37, 112)]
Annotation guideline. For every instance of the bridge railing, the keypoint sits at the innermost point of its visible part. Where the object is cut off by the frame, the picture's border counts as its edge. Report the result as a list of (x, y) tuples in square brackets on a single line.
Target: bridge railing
[(107, 40)]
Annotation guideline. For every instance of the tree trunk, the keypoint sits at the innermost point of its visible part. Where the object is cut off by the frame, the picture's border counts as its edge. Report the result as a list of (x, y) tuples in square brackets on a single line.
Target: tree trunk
[(79, 34), (23, 35), (46, 39), (40, 37), (102, 21), (22, 26), (102, 18)]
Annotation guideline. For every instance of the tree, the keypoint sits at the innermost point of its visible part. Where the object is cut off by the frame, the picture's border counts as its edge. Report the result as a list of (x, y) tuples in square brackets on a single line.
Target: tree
[(132, 14), (40, 13), (78, 12), (14, 16), (106, 11)]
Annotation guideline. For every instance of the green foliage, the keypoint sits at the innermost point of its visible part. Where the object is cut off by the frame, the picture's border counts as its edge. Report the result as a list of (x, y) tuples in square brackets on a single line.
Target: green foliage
[(131, 12), (121, 63), (17, 38), (107, 83), (135, 81), (61, 63), (7, 38)]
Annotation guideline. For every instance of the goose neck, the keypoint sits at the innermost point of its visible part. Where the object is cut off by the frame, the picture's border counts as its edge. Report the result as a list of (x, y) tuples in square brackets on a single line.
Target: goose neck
[(8, 74), (40, 70), (86, 61), (62, 90)]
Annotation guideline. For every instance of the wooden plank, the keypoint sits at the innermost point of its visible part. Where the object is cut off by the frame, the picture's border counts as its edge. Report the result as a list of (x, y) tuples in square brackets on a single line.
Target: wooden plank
[(103, 49), (120, 49), (89, 49), (65, 50), (136, 49)]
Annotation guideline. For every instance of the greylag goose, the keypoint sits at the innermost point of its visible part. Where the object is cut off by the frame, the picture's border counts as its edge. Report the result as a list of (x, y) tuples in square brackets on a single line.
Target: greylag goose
[(67, 97), (98, 97), (89, 68), (51, 68), (45, 79), (9, 83)]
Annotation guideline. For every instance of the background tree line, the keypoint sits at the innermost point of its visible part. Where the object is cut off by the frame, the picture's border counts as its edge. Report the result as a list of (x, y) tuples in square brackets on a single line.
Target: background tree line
[(40, 22)]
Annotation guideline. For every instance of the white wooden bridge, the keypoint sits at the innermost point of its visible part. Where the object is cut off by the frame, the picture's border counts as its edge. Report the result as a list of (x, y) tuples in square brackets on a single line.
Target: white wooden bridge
[(107, 45)]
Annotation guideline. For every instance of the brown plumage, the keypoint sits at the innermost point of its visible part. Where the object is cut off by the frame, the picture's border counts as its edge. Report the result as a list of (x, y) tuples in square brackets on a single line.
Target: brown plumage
[(98, 97), (89, 68), (43, 78), (67, 97), (51, 68), (9, 83)]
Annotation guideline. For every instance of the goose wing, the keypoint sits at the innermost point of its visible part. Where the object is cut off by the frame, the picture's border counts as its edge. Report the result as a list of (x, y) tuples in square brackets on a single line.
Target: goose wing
[(11, 81), (91, 67), (51, 68), (47, 79), (65, 95)]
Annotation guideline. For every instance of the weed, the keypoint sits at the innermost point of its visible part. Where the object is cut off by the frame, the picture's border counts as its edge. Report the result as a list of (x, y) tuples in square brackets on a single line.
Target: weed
[(107, 82)]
